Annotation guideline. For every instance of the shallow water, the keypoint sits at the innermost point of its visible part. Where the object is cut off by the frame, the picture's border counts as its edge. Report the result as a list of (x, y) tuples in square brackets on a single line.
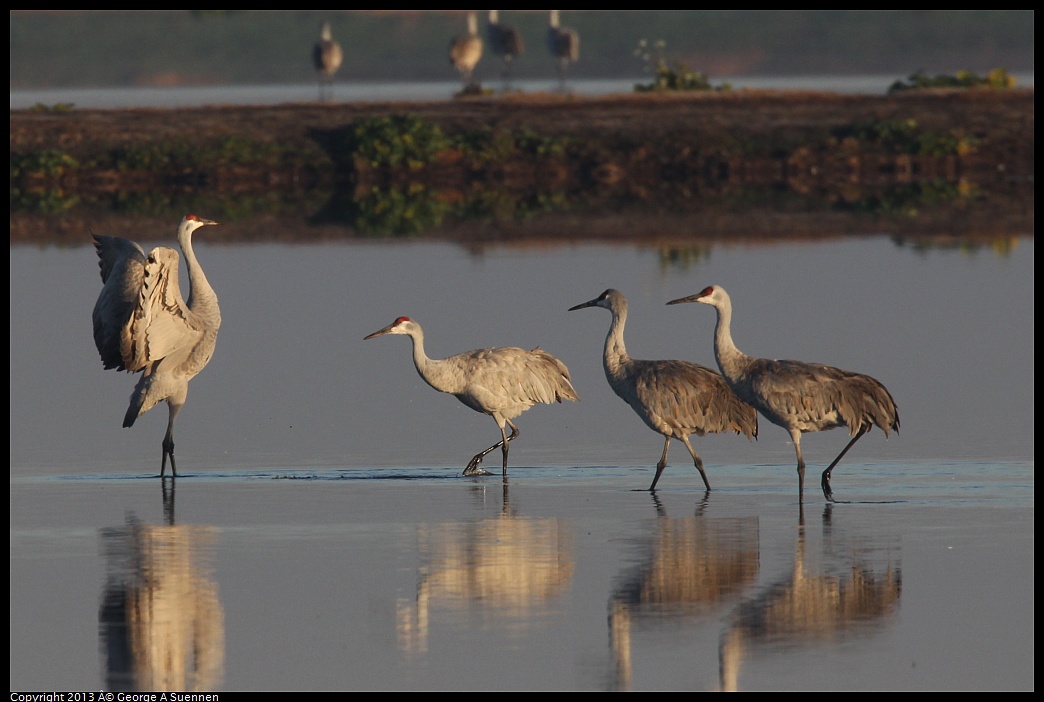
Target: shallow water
[(106, 98), (321, 537)]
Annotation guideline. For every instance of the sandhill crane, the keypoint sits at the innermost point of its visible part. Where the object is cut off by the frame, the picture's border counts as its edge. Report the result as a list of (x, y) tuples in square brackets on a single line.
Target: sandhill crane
[(502, 382), (674, 398), (465, 52), (505, 42), (326, 57), (799, 396), (142, 323), (564, 44)]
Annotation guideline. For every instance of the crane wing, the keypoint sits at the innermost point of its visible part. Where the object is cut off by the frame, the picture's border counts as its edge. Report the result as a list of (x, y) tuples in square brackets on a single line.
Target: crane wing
[(511, 377), (122, 265), (819, 397), (689, 396), (160, 325)]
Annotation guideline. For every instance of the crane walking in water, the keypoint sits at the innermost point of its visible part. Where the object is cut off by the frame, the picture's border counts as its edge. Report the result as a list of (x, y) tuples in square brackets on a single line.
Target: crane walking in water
[(465, 52), (505, 42), (674, 398), (799, 396), (142, 323), (326, 57), (564, 44), (502, 382)]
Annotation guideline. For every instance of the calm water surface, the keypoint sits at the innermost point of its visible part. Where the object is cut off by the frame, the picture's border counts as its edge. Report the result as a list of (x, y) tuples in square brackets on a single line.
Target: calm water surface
[(322, 538)]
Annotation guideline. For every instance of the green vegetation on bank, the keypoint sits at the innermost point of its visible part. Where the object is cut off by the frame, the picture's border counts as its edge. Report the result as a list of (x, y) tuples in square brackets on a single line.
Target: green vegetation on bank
[(997, 79)]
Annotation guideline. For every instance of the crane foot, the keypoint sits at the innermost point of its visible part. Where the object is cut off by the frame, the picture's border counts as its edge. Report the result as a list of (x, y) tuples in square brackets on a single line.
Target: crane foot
[(474, 468)]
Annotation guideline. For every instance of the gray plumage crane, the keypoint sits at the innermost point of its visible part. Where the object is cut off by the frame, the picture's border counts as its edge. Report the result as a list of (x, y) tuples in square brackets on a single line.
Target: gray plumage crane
[(798, 396), (674, 398), (502, 382), (327, 57), (143, 325), (564, 45), (465, 52), (505, 42)]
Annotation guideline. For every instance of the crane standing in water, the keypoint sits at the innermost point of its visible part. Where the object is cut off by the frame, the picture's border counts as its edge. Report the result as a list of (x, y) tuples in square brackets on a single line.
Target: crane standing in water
[(465, 52), (799, 396), (142, 323), (674, 398), (327, 58), (564, 45), (502, 382), (505, 42)]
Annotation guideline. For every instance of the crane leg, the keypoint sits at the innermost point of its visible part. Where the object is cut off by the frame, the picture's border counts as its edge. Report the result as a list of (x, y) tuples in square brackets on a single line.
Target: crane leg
[(173, 407), (662, 464), (473, 464), (168, 450), (698, 462), (795, 436), (825, 482)]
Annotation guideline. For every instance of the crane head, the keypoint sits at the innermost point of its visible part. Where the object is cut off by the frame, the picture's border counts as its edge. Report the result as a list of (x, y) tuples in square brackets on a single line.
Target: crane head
[(402, 325), (710, 295), (609, 299)]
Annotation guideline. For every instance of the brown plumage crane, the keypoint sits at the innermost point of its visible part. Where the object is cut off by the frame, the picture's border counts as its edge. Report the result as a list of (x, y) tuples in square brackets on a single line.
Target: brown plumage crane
[(502, 382), (465, 52), (143, 325), (505, 42), (798, 396), (564, 45), (674, 398), (327, 58)]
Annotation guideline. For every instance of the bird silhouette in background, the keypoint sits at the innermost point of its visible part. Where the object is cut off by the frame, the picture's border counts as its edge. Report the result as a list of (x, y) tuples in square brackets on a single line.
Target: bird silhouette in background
[(465, 52), (564, 45), (502, 382), (143, 325), (798, 396), (327, 58), (673, 398), (505, 42)]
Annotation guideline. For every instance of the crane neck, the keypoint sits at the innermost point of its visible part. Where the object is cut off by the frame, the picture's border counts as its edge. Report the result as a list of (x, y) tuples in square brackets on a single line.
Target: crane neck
[(201, 295), (430, 370), (730, 359), (614, 356)]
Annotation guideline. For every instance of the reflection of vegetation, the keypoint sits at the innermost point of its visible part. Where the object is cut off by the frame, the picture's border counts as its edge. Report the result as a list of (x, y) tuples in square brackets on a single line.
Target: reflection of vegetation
[(45, 201), (905, 136), (56, 107), (666, 77), (683, 257), (397, 211), (907, 199), (1001, 246), (415, 208), (998, 78)]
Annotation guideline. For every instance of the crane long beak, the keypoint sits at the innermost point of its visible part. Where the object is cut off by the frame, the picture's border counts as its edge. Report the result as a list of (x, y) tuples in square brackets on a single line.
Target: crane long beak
[(690, 298), (582, 305), (379, 332)]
